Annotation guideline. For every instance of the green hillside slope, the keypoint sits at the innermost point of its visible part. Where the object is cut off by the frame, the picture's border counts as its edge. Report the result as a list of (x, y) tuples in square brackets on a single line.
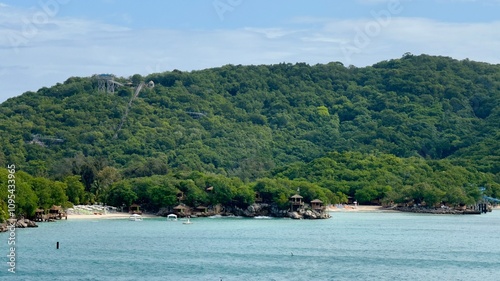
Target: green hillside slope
[(251, 121)]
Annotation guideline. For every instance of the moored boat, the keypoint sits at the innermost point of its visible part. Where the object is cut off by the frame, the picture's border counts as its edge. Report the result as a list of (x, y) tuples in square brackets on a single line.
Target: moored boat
[(135, 217)]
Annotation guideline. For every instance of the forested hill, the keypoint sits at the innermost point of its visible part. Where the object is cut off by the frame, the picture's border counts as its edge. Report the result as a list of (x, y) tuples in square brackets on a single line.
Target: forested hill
[(246, 121)]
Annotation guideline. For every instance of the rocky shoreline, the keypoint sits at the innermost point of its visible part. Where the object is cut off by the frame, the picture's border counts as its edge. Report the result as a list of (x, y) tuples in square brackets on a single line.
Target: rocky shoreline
[(258, 210), (20, 223), (254, 210), (263, 209), (438, 211)]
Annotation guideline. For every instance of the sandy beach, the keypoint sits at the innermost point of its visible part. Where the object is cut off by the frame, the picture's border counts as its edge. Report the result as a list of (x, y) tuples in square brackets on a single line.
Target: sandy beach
[(358, 208), (365, 208), (345, 208), (116, 215)]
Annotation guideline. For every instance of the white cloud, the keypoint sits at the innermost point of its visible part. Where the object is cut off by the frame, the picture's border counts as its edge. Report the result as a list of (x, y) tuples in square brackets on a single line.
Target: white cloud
[(479, 1), (372, 1), (65, 47), (271, 33), (378, 2)]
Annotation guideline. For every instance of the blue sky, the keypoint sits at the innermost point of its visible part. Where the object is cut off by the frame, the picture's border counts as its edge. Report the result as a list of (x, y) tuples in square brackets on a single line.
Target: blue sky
[(44, 42)]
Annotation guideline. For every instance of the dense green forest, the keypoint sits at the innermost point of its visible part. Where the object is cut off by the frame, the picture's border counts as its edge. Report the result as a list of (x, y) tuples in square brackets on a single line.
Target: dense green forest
[(419, 128)]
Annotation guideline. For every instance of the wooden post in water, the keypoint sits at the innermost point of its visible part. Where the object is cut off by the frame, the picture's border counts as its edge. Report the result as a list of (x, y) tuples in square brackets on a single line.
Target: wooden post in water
[(57, 245)]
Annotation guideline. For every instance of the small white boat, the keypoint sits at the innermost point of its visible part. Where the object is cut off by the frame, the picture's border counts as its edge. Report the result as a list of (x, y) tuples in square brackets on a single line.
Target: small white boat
[(135, 217), (171, 217), (187, 222)]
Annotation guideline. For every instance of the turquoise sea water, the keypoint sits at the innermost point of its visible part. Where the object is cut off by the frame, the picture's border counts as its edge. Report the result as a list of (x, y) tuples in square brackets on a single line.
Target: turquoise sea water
[(349, 246)]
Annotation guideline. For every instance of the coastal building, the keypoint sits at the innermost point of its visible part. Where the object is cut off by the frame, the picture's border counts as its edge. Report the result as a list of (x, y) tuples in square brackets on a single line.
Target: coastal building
[(181, 210), (135, 209), (39, 215), (317, 205), (57, 213), (296, 202)]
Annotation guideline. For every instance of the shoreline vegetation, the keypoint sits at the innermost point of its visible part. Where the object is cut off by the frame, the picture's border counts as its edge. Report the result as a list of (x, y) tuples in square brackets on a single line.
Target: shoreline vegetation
[(382, 209), (331, 208), (23, 223)]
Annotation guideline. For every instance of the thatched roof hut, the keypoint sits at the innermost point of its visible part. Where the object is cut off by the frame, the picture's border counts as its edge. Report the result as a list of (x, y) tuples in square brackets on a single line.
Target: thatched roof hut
[(135, 209), (296, 202), (317, 204), (39, 213), (55, 209), (57, 212), (296, 199), (180, 209)]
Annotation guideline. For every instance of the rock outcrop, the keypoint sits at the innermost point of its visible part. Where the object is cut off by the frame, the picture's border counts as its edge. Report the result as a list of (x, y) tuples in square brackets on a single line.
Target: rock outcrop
[(294, 215), (308, 214), (21, 223), (443, 211), (272, 210), (261, 210), (24, 223)]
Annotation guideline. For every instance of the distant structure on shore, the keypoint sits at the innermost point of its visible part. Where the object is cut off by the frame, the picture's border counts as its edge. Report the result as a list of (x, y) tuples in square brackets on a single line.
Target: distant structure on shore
[(261, 208), (106, 83)]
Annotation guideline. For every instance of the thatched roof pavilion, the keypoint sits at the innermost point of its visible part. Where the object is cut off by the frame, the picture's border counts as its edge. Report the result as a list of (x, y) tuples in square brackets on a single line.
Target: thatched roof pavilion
[(135, 209), (180, 209), (296, 202), (317, 204)]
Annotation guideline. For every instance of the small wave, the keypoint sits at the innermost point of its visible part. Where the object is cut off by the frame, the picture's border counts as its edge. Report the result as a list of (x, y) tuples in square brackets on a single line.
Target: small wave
[(262, 217), (225, 217)]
